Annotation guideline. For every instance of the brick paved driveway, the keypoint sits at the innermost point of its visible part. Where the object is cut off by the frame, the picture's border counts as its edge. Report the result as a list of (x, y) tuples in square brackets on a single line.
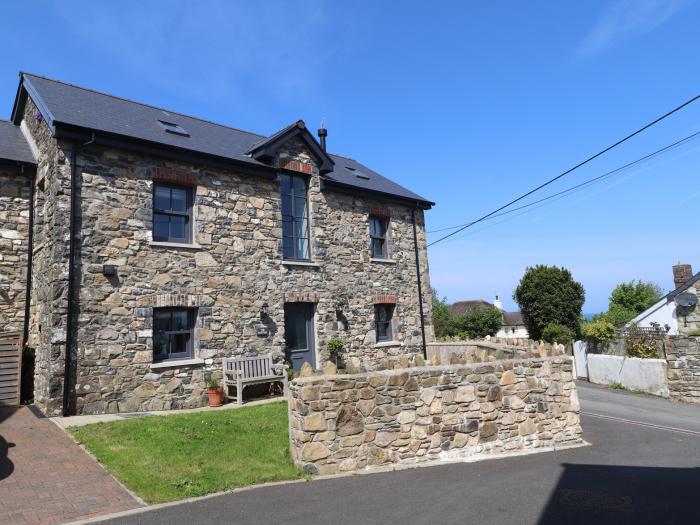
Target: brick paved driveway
[(45, 478)]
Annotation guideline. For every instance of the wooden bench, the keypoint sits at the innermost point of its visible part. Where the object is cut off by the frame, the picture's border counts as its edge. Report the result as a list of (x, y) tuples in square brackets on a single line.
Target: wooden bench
[(241, 372)]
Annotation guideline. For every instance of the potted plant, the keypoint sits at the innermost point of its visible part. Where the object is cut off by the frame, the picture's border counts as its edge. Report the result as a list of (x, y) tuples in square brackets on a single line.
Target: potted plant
[(215, 391), (335, 350)]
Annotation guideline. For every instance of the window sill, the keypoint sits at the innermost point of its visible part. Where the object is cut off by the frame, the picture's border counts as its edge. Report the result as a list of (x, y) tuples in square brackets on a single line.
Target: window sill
[(385, 344), (187, 246), (310, 264), (178, 362), (383, 261)]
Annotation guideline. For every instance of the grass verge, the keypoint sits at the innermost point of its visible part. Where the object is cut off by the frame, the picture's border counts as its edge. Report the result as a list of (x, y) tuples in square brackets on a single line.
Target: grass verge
[(166, 458)]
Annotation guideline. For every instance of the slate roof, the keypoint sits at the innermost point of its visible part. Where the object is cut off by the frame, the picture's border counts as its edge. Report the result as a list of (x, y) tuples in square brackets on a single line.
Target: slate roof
[(74, 106), (13, 145)]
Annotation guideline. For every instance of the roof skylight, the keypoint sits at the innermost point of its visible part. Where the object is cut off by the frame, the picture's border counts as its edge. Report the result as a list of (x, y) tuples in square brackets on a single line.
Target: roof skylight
[(359, 174), (173, 128)]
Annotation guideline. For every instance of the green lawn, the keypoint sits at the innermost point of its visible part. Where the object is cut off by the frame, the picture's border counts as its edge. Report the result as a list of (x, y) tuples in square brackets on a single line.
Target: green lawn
[(165, 458)]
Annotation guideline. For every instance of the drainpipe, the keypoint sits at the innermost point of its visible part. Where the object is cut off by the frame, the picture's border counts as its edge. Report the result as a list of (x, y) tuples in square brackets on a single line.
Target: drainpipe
[(30, 260), (420, 289), (70, 338)]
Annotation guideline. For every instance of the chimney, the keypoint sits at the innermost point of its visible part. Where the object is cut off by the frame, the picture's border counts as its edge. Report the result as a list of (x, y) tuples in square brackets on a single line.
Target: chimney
[(682, 273), (498, 304), (322, 134)]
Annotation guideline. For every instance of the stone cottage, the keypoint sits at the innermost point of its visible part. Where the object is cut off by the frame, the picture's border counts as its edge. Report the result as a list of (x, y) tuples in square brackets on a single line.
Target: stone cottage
[(139, 246)]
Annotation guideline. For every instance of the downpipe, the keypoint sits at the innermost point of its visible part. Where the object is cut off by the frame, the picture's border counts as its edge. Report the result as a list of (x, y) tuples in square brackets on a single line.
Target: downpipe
[(418, 279)]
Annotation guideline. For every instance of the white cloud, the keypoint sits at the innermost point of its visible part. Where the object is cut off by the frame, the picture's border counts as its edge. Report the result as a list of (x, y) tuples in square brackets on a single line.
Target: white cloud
[(627, 18)]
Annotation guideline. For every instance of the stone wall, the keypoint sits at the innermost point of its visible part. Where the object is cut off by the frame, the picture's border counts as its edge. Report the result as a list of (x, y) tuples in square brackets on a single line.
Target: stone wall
[(683, 357), (49, 300), (233, 267), (689, 317), (480, 351), (14, 230), (407, 416)]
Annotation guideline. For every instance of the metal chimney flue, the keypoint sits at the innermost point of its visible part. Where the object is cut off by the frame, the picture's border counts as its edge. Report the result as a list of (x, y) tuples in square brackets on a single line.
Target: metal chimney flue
[(322, 134)]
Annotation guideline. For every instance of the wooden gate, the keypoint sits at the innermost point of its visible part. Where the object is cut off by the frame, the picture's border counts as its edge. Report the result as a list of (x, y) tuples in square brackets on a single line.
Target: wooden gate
[(9, 368)]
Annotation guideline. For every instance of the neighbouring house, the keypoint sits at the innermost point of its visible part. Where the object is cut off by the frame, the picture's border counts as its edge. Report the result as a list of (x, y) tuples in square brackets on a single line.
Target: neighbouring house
[(670, 309), (513, 325), (139, 246), (463, 307)]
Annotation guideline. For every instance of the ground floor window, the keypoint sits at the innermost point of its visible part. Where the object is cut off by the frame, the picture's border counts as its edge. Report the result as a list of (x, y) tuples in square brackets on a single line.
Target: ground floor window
[(173, 333), (382, 320)]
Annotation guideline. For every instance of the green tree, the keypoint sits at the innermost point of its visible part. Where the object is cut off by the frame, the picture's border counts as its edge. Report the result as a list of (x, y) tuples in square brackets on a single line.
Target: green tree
[(442, 318), (549, 294), (479, 322), (630, 299)]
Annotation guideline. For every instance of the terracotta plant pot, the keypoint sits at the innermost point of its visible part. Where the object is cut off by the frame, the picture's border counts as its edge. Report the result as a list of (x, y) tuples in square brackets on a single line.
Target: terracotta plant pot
[(216, 396)]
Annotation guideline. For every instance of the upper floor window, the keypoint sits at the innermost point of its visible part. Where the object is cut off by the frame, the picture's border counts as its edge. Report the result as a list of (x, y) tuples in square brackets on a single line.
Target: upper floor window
[(173, 333), (378, 227), (295, 217), (383, 314), (172, 213)]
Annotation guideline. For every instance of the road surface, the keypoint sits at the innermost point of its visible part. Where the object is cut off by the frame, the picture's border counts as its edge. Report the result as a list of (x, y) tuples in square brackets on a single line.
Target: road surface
[(643, 467)]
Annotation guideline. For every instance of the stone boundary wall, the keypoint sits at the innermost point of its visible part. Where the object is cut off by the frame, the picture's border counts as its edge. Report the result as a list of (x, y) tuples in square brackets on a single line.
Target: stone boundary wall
[(683, 357), (344, 423), (464, 352)]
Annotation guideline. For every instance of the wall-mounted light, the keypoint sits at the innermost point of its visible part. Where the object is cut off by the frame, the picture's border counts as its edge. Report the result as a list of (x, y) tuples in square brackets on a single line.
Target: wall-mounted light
[(109, 270), (264, 309)]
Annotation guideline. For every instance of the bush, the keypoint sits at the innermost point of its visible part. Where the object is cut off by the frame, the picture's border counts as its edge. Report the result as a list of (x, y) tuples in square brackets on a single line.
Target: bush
[(557, 333), (642, 344), (600, 332), (478, 323), (549, 295)]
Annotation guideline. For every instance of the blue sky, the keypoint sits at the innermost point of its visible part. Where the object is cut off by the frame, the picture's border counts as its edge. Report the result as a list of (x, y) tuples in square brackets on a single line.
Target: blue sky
[(466, 103)]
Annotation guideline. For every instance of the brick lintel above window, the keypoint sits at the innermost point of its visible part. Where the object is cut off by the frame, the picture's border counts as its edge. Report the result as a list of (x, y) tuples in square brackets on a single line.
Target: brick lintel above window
[(171, 176), (295, 165), (301, 297), (384, 299), (380, 213)]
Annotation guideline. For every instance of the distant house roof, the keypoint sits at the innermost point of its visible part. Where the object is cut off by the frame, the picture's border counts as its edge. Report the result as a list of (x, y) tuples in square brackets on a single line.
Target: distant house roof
[(513, 319), (13, 146), (77, 113), (462, 307)]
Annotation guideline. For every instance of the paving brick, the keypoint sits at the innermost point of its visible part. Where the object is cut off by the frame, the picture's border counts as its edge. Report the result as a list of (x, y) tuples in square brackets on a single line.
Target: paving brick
[(47, 479)]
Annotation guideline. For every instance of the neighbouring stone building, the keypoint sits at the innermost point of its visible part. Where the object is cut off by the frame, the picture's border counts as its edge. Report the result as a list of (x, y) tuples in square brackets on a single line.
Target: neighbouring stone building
[(16, 170), (191, 241)]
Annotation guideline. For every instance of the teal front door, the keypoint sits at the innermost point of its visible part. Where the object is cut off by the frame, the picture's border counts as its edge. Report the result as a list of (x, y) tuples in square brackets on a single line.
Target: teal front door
[(299, 334)]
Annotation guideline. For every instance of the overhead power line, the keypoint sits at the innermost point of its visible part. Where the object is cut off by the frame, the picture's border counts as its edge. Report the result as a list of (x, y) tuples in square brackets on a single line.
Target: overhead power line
[(587, 182), (563, 174)]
